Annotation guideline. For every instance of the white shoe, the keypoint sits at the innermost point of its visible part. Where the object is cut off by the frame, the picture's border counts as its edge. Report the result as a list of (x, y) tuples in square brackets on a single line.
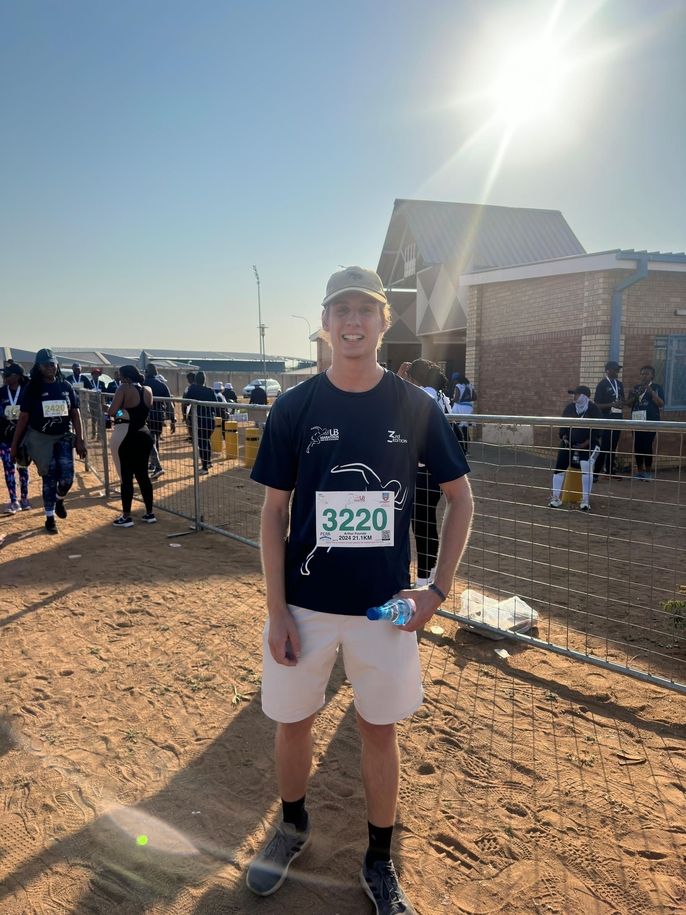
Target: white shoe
[(584, 507), (554, 503)]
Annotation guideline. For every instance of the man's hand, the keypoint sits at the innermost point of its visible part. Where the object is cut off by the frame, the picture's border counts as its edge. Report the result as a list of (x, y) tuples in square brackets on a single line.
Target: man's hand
[(284, 640), (13, 453), (81, 449), (426, 602), (404, 371)]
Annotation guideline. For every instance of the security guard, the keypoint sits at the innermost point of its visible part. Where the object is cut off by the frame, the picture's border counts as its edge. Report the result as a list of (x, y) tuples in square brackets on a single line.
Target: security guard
[(609, 397)]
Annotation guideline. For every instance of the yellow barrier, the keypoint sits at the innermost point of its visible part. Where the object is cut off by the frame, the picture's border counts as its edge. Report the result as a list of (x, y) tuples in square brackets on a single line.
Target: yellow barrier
[(231, 439), (217, 438), (571, 488), (252, 443)]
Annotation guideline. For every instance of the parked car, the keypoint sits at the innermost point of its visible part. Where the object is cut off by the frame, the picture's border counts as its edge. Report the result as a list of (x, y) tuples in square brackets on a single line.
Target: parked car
[(272, 385)]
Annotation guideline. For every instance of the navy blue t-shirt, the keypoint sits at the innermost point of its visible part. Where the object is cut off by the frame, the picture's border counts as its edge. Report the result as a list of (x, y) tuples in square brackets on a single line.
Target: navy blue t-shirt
[(321, 439), (49, 410)]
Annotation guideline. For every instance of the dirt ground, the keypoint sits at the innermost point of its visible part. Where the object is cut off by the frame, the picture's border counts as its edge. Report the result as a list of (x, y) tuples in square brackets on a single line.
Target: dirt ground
[(136, 766)]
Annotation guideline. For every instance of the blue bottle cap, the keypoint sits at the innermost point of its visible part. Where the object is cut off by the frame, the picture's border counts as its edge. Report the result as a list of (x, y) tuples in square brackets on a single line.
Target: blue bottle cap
[(373, 613)]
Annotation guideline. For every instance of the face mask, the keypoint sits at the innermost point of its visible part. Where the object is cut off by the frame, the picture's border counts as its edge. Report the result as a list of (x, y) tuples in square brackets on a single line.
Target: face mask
[(581, 404)]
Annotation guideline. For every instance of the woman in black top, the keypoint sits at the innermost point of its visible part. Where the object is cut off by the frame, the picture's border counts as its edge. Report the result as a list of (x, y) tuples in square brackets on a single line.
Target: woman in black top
[(645, 400), (130, 407)]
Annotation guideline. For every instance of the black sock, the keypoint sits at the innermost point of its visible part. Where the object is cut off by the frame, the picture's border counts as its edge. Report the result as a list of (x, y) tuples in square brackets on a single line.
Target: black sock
[(379, 844), (294, 812)]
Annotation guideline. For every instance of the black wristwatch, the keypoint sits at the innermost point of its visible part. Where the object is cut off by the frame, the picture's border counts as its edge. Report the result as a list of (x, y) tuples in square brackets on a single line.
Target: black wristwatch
[(437, 590)]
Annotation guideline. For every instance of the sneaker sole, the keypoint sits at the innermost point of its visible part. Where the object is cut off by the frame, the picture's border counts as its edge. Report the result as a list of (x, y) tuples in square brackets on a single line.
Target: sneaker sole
[(149, 520), (282, 879)]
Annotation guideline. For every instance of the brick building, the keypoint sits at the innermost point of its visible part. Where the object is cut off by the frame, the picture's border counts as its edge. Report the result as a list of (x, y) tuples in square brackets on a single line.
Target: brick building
[(510, 298)]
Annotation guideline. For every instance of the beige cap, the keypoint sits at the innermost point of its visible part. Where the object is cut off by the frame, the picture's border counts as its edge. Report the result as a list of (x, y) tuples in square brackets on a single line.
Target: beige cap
[(355, 279)]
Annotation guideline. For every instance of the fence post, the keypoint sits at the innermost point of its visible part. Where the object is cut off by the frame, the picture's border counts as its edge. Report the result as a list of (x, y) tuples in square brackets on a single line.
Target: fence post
[(105, 449), (196, 459)]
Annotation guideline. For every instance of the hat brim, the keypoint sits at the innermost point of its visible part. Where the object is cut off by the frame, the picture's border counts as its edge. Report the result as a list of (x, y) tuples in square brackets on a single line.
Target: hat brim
[(377, 296)]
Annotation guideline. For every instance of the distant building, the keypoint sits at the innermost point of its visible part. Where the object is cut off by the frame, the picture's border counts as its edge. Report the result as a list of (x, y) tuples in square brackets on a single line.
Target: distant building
[(509, 297)]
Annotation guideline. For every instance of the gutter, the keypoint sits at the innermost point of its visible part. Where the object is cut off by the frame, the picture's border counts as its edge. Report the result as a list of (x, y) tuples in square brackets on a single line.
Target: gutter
[(616, 311)]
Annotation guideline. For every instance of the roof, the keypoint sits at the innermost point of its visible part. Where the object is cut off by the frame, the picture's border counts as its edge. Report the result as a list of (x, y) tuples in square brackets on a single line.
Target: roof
[(474, 236), (617, 259)]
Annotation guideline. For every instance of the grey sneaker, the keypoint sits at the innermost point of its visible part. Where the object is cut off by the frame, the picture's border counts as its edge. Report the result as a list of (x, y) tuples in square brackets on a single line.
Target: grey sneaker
[(269, 868), (380, 883)]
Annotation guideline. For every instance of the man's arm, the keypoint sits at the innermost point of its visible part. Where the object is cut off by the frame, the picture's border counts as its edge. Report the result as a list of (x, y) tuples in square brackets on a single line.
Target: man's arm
[(284, 641), (457, 522)]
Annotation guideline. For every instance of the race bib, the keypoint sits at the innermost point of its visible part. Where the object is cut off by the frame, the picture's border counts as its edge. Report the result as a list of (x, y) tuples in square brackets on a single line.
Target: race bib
[(355, 518), (12, 413), (53, 409), (640, 415)]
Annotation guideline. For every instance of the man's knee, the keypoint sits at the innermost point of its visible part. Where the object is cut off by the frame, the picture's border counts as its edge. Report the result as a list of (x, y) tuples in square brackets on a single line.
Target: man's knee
[(293, 731), (377, 735)]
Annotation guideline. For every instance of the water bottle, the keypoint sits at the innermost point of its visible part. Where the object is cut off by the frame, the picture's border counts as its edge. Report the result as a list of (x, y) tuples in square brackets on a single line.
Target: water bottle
[(398, 611)]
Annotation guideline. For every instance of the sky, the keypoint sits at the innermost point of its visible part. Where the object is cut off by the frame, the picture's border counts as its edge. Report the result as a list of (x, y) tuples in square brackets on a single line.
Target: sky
[(152, 151)]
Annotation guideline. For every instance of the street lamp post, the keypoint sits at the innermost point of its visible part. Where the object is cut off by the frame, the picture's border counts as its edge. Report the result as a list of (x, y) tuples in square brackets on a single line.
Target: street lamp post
[(309, 332), (261, 327)]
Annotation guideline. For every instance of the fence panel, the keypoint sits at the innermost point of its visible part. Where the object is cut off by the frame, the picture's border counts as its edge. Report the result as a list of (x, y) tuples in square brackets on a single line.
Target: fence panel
[(607, 584)]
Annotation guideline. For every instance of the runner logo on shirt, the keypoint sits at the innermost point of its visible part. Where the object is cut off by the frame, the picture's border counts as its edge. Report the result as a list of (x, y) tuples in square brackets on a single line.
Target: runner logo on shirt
[(320, 434), (395, 438)]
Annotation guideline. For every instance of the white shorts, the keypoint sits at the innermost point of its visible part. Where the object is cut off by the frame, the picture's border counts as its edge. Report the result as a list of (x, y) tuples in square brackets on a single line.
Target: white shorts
[(381, 661)]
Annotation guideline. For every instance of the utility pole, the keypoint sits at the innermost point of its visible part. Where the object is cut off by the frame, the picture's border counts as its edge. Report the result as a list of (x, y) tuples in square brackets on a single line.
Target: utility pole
[(261, 327)]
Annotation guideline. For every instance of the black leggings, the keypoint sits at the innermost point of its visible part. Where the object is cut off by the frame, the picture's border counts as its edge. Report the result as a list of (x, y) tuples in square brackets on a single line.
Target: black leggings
[(134, 454), (643, 449), (426, 497)]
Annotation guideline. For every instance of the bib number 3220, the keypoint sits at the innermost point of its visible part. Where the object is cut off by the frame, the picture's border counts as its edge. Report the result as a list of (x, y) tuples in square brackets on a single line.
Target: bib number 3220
[(353, 519)]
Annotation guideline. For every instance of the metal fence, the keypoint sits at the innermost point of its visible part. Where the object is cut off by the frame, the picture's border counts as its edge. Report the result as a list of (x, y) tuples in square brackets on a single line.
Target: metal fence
[(608, 584)]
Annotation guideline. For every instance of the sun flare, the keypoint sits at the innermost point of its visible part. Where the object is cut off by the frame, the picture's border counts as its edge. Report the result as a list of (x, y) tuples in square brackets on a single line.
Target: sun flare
[(530, 84)]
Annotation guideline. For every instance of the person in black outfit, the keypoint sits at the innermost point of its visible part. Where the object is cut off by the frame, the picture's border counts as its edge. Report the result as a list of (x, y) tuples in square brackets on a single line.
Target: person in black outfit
[(258, 395), (131, 406), (577, 447), (160, 411), (609, 398), (428, 376), (645, 400), (76, 379), (198, 390)]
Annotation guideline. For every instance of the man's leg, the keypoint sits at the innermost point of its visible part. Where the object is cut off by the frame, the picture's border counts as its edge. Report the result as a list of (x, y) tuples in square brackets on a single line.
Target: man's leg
[(381, 778), (293, 748), (380, 771)]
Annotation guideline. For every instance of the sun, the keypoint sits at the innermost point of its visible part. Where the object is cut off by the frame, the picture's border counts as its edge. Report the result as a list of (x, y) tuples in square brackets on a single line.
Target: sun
[(530, 84)]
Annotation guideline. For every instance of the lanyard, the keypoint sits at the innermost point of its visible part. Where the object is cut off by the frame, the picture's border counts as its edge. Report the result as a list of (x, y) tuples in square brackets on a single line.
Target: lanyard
[(13, 400), (615, 387)]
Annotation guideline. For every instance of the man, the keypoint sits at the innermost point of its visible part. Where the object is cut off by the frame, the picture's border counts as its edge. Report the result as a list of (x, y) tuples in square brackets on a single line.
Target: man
[(577, 448), (198, 390), (609, 398), (347, 444), (49, 427), (160, 410), (76, 379), (114, 384), (258, 395)]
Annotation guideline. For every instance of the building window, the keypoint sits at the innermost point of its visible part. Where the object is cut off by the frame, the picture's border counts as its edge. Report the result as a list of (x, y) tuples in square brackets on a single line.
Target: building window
[(670, 369), (410, 260)]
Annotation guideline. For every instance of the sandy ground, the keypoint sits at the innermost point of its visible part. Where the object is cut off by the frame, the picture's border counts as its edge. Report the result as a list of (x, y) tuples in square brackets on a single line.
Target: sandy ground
[(136, 765)]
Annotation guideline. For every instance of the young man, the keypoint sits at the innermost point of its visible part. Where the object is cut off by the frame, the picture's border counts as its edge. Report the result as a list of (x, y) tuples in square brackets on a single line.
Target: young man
[(609, 398), (347, 443), (49, 426)]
